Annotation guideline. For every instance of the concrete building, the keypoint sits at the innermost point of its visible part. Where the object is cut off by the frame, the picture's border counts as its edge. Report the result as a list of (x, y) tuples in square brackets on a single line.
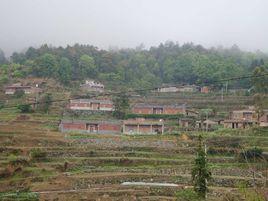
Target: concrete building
[(168, 89), (188, 88), (98, 127), (91, 104), (158, 109), (142, 126), (92, 86)]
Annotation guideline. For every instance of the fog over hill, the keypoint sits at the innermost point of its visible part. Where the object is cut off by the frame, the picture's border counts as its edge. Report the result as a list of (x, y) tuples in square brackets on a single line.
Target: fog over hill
[(122, 23)]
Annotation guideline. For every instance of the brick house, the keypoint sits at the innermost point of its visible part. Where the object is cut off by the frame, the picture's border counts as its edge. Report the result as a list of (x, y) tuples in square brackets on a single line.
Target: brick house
[(142, 126), (241, 119), (204, 89), (158, 109), (11, 89), (98, 127), (263, 120), (91, 104), (92, 86), (238, 123), (207, 124)]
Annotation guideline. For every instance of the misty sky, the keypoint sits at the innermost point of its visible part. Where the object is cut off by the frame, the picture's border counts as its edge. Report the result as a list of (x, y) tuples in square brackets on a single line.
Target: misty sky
[(128, 23)]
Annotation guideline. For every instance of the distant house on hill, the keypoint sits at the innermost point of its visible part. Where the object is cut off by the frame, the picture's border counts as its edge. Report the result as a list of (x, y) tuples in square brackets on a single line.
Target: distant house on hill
[(167, 89), (11, 89), (241, 119), (92, 86), (204, 90), (264, 119), (142, 126), (188, 88), (207, 124), (91, 104), (158, 109), (97, 127)]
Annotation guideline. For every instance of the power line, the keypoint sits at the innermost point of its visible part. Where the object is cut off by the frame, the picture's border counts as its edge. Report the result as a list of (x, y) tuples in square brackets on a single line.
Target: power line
[(143, 90)]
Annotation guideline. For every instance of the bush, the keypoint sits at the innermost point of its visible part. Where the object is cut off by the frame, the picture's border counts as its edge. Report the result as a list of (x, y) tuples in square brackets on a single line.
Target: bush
[(2, 105), (251, 154), (19, 93), (38, 155), (187, 195), (25, 108)]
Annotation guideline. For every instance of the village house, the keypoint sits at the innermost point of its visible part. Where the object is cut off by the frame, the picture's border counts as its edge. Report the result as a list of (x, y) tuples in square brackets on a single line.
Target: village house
[(92, 86), (206, 125), (158, 109), (192, 113), (142, 126), (263, 120), (168, 89), (91, 104), (188, 88), (241, 119), (248, 115), (98, 127), (186, 123), (11, 89), (204, 89)]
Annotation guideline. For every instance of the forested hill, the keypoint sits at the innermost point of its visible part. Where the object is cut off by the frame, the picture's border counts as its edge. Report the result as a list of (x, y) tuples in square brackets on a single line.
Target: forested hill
[(167, 63)]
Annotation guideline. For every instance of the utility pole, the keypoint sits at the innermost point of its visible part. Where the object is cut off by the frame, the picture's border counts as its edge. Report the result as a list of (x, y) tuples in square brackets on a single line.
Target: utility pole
[(207, 121), (222, 94)]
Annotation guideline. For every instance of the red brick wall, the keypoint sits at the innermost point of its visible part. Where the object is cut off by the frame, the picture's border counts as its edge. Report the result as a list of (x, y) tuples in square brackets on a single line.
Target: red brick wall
[(142, 110), (170, 110), (109, 127), (166, 110), (74, 126), (107, 105), (145, 129)]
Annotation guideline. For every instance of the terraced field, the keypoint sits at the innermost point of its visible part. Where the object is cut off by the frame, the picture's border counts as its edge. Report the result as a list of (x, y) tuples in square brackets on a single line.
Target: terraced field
[(39, 162)]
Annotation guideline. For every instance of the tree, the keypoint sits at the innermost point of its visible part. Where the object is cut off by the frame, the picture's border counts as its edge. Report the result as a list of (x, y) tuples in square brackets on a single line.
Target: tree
[(46, 65), (200, 172), (65, 70), (87, 66), (3, 59), (24, 108), (121, 106), (260, 80), (45, 103), (19, 93)]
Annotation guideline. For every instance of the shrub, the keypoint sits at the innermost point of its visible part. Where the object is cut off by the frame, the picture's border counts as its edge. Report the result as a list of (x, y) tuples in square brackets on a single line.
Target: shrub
[(19, 93), (1, 105), (25, 108), (38, 155), (251, 154), (187, 195)]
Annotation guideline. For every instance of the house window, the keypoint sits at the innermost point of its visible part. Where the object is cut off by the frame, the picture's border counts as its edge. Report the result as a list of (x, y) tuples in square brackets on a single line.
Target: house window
[(157, 110), (93, 128)]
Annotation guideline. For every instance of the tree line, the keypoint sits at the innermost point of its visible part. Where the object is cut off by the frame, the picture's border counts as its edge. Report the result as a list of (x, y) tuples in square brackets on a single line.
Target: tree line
[(136, 67)]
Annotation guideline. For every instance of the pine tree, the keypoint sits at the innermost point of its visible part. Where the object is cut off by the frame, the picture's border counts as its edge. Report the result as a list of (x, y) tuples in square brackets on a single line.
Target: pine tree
[(121, 104), (200, 172)]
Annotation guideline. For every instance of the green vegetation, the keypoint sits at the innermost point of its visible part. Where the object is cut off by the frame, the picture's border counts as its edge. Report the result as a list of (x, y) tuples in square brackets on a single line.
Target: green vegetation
[(187, 195), (19, 196), (121, 106), (25, 108), (138, 68), (200, 172)]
